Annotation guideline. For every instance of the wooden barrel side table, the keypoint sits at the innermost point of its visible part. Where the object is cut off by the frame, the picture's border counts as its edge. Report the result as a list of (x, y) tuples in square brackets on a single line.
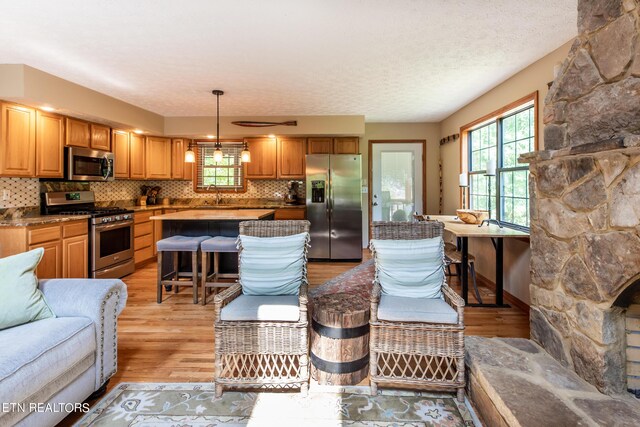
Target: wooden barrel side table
[(340, 339)]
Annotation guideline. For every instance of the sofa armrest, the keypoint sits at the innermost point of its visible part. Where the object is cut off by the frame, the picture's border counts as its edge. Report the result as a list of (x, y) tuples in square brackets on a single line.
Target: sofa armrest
[(100, 300)]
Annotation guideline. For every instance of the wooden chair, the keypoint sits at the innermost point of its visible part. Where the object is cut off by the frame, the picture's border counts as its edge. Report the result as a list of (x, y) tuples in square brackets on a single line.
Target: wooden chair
[(415, 354), (263, 354), (215, 246)]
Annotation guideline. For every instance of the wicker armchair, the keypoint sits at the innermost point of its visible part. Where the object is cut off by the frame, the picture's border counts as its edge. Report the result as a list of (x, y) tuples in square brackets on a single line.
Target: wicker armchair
[(261, 354), (413, 354)]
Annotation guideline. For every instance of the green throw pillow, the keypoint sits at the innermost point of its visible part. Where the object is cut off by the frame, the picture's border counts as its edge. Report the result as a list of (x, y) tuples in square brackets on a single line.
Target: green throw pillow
[(20, 299)]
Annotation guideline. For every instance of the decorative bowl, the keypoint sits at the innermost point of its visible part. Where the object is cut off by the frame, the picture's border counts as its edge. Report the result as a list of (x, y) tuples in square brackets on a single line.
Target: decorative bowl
[(472, 216)]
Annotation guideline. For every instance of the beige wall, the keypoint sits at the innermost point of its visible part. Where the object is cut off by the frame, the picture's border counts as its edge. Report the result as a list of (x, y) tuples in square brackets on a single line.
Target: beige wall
[(428, 131), (306, 126), (533, 78)]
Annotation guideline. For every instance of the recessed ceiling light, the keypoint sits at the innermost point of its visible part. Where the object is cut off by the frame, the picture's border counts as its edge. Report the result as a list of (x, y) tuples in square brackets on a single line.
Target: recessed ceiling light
[(138, 131), (47, 108), (211, 136)]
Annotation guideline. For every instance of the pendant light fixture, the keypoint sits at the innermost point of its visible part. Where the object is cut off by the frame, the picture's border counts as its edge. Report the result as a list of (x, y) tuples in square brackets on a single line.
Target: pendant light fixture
[(217, 153), (245, 155), (189, 155)]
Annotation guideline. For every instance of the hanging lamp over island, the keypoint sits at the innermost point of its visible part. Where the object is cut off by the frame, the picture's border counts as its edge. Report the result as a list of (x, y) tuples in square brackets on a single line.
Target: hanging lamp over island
[(218, 155)]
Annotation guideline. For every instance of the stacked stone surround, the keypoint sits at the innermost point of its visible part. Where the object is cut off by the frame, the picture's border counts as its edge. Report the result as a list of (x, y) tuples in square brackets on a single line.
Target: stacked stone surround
[(585, 190)]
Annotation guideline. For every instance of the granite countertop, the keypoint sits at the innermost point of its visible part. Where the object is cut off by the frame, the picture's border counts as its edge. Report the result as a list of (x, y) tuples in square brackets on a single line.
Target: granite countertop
[(222, 206), (40, 220), (215, 215)]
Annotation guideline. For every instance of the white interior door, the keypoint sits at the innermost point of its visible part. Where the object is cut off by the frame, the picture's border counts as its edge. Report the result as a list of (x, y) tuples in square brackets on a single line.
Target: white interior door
[(397, 181)]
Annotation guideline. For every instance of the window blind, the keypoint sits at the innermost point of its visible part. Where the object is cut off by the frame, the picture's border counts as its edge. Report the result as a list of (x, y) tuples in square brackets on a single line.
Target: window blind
[(226, 175)]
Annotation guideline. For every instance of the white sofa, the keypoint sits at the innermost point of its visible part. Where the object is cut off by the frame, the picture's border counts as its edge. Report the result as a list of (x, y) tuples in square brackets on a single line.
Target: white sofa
[(61, 360)]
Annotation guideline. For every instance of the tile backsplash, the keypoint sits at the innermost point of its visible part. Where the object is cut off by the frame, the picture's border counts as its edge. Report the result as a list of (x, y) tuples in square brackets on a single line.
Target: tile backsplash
[(25, 192)]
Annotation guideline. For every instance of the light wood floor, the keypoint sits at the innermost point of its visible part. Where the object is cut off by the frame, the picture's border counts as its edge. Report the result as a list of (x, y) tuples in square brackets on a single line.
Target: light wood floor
[(173, 341)]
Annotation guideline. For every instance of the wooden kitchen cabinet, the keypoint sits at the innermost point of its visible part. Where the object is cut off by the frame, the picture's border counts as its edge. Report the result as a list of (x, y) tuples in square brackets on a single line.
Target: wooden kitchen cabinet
[(158, 158), (78, 133), (120, 144), (17, 141), (320, 145), (337, 145), (143, 241), (100, 137), (291, 158), (49, 145), (74, 257), (179, 168), (50, 266), (66, 247), (345, 145), (263, 163), (290, 213), (137, 158)]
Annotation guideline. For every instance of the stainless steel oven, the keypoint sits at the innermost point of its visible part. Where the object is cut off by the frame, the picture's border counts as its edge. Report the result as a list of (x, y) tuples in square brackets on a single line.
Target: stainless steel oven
[(84, 164), (112, 246)]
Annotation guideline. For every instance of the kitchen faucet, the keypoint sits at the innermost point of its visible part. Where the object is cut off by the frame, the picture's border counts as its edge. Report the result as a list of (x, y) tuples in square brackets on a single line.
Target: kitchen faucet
[(218, 198)]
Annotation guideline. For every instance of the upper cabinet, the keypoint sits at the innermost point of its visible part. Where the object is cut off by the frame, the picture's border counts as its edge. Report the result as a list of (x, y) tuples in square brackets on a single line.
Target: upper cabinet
[(263, 158), (100, 137), (158, 155), (320, 145), (137, 158), (345, 145), (338, 145), (179, 168), (120, 144), (291, 158), (17, 141), (78, 133), (49, 145), (88, 135)]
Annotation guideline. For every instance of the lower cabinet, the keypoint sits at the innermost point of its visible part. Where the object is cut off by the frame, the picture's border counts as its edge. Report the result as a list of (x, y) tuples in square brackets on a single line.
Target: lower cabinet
[(66, 247), (143, 242), (50, 266), (74, 256), (290, 213)]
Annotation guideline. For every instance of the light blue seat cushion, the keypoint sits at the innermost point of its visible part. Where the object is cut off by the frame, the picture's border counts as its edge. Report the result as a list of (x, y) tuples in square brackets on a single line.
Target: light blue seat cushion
[(410, 268), (273, 265), (181, 243), (43, 354), (427, 310), (220, 244), (277, 308)]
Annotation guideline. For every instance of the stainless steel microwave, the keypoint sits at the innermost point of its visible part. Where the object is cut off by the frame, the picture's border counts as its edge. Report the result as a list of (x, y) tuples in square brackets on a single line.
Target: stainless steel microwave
[(85, 164)]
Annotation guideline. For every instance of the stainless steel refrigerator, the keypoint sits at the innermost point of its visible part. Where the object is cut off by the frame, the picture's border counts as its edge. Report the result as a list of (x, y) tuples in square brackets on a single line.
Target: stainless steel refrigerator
[(334, 205)]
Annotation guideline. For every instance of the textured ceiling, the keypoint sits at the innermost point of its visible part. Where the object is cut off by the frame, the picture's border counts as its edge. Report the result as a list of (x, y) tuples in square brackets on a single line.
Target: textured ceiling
[(400, 60)]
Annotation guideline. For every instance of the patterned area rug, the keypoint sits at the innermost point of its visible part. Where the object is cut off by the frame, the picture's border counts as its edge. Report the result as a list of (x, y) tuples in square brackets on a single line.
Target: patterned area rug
[(183, 405)]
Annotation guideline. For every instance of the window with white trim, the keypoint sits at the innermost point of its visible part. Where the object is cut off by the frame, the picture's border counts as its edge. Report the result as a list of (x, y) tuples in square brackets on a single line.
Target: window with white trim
[(225, 175), (503, 138)]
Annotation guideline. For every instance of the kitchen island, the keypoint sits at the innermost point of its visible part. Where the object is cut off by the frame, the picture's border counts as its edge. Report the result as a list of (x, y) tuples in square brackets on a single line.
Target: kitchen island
[(209, 222)]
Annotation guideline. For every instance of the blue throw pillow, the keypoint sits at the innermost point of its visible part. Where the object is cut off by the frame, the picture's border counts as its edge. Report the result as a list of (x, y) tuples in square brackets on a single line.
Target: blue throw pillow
[(410, 268), (20, 299), (273, 265)]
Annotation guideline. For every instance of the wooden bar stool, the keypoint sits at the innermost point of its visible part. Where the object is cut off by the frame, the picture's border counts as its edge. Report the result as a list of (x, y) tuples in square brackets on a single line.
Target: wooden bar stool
[(177, 245), (216, 246), (453, 256)]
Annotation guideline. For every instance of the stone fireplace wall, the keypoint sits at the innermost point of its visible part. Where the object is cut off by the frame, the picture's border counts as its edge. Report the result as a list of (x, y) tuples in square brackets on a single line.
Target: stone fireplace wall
[(585, 191)]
